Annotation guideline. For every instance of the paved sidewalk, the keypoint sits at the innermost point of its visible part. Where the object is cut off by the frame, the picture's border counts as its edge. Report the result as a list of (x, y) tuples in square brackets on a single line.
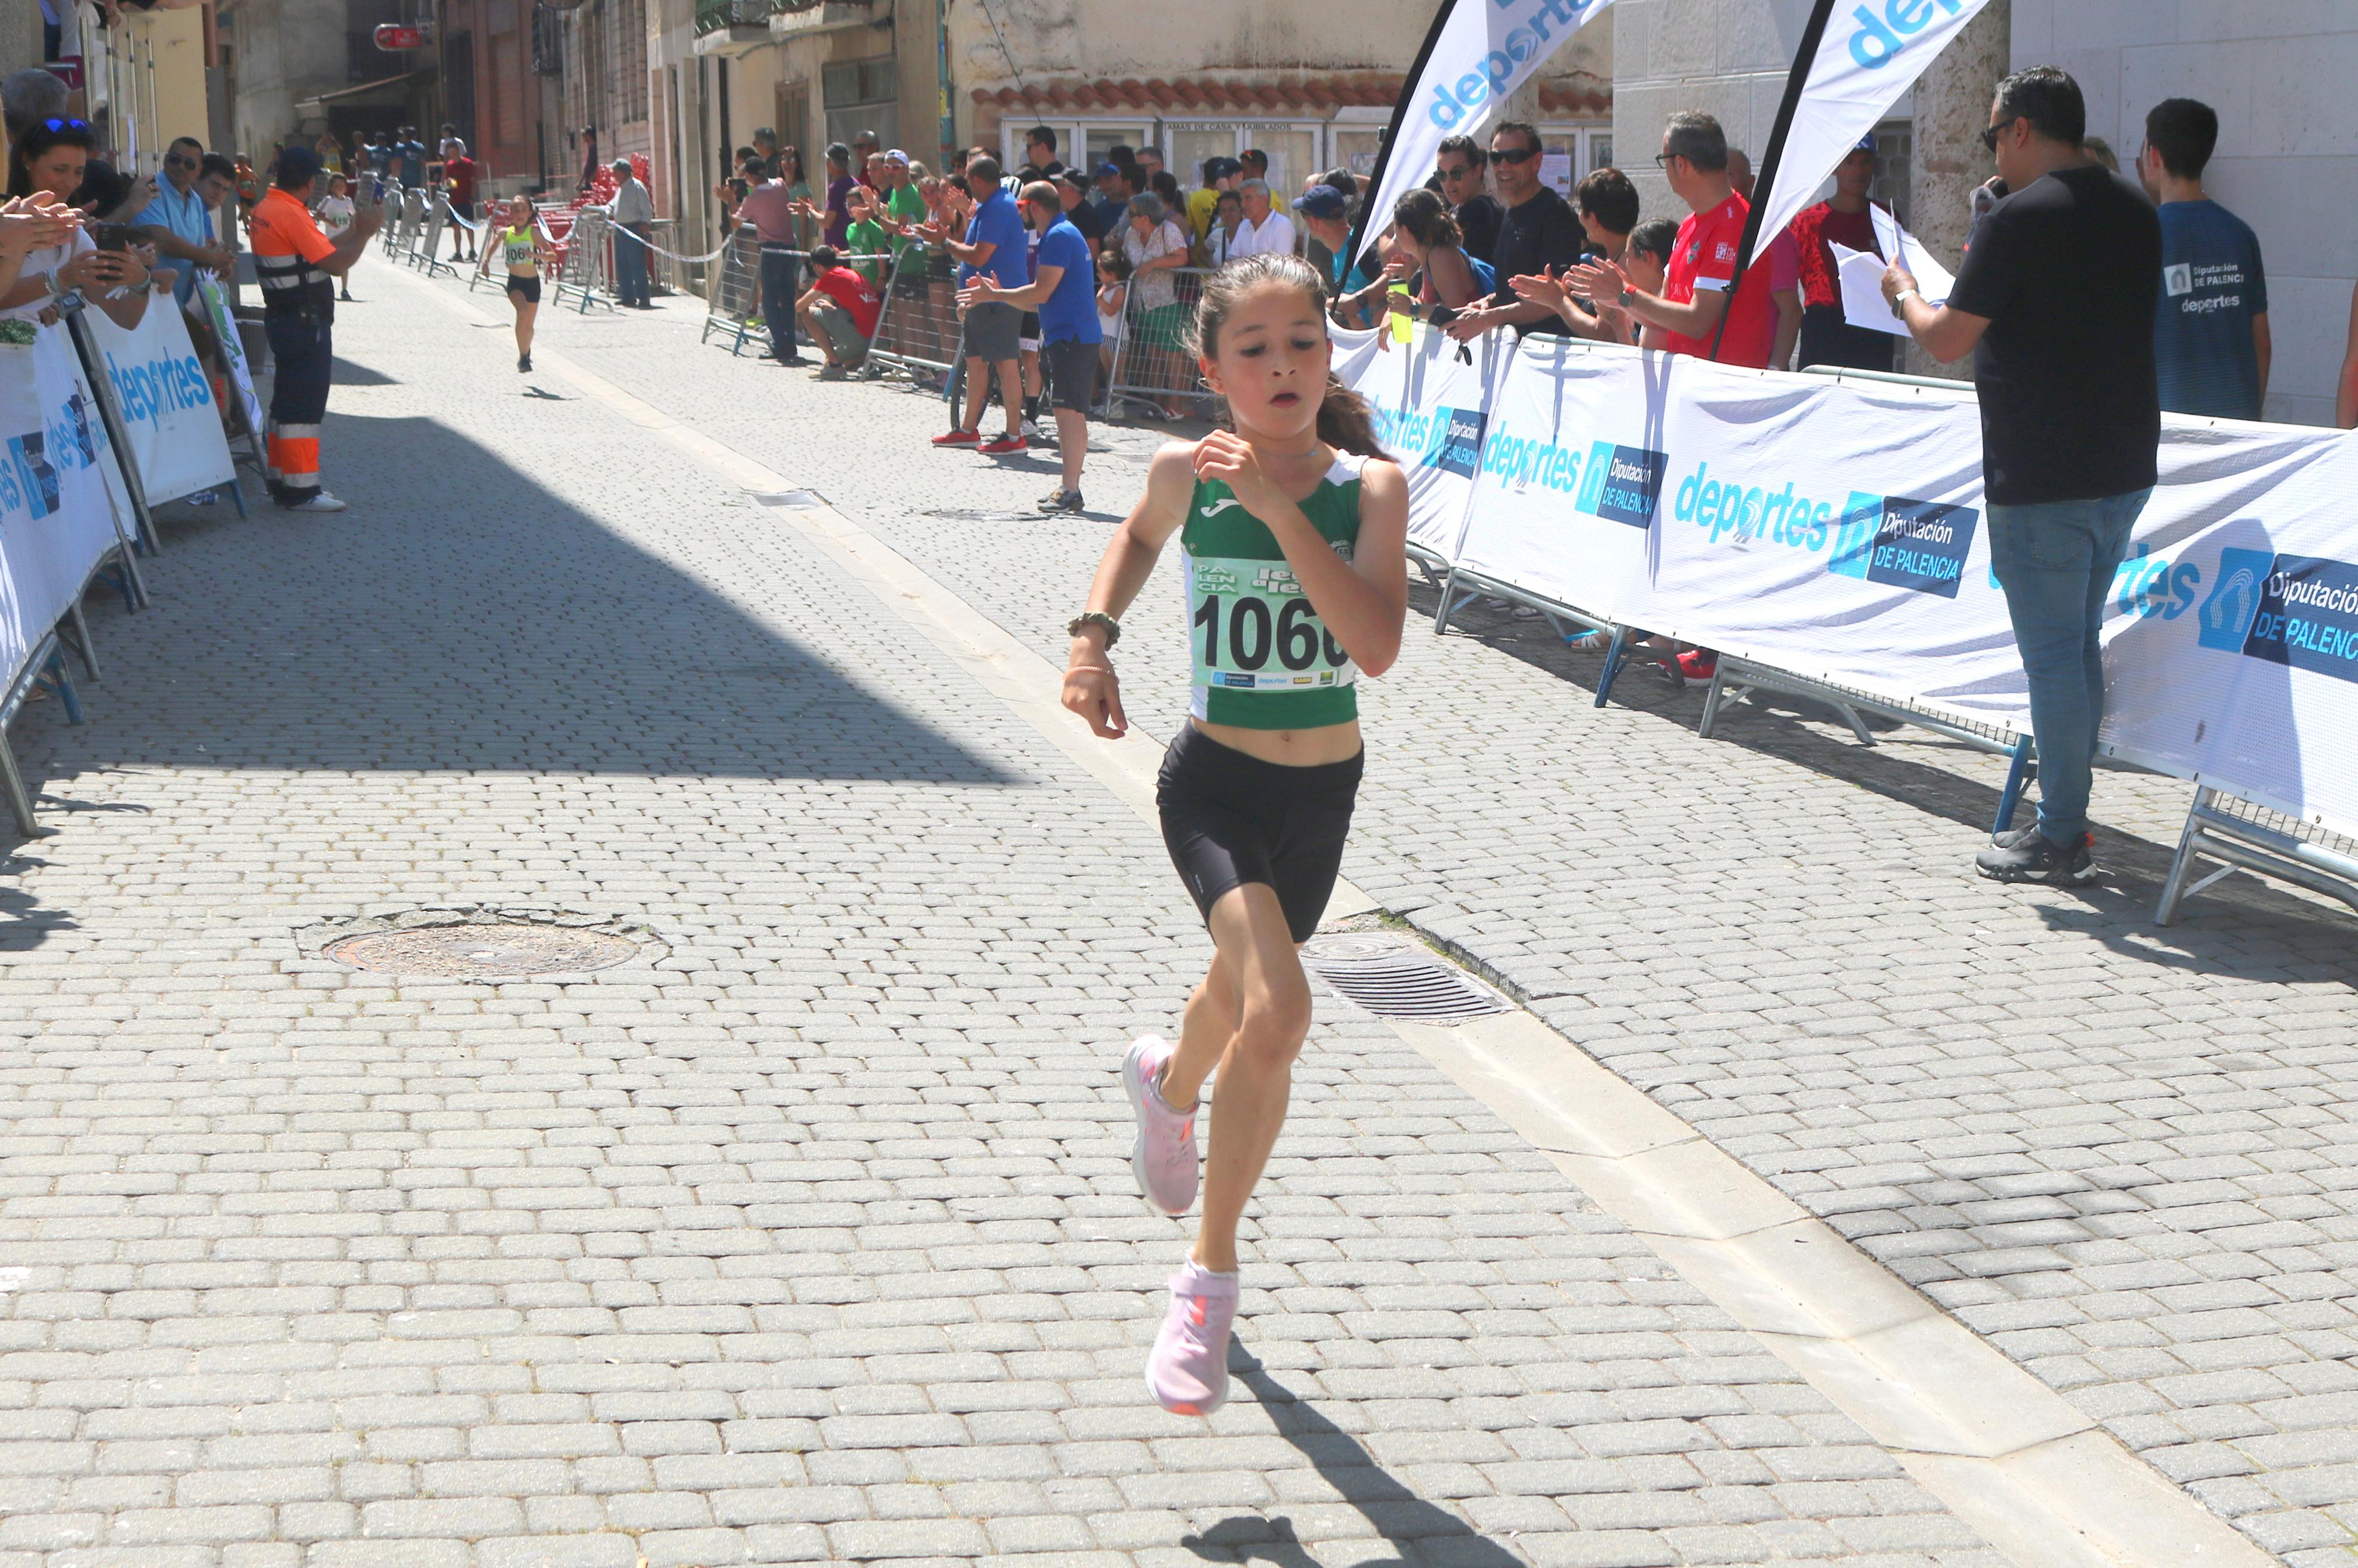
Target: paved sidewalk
[(2119, 1152), (808, 1235)]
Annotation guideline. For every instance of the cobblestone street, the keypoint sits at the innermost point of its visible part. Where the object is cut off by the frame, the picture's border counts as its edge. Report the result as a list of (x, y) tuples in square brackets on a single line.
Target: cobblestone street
[(807, 1234)]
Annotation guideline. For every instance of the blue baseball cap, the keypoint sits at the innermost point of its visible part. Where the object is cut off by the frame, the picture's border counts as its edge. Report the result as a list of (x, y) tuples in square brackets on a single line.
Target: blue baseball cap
[(1321, 201), (1865, 144)]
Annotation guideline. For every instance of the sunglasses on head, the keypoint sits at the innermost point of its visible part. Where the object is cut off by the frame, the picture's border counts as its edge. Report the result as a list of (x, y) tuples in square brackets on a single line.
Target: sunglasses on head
[(1521, 154), (65, 125)]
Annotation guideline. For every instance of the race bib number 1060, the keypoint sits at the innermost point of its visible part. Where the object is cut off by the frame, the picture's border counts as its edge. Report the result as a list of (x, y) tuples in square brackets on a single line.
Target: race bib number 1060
[(1251, 628)]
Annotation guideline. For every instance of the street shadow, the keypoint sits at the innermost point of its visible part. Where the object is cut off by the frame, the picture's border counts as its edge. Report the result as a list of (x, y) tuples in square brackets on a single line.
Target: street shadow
[(485, 626), (347, 374), (24, 922), (1419, 1531)]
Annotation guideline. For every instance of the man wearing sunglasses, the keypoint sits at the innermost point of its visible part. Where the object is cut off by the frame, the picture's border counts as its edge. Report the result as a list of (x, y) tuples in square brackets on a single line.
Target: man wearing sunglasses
[(1702, 311), (1537, 234), (2055, 302), (176, 223)]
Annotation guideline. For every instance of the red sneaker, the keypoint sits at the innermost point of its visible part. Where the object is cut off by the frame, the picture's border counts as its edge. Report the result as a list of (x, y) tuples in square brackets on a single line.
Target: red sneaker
[(1004, 447), (958, 438), (1699, 664)]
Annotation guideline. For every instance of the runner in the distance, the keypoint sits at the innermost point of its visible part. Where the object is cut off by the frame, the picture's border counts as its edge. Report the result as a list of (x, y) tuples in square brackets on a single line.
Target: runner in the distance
[(1293, 529), (514, 235)]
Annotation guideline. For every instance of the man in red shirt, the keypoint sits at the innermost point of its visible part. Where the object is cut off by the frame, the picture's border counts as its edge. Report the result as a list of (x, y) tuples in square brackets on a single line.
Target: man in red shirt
[(1686, 316), (460, 171), (1827, 339), (840, 311)]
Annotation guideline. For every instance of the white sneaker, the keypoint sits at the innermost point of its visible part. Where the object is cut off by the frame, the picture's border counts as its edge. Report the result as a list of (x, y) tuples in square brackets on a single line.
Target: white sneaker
[(323, 502)]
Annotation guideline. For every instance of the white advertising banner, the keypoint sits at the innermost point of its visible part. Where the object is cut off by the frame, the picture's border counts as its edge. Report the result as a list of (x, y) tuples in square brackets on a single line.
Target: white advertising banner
[(169, 419), (1480, 52), (55, 525), (232, 353), (1563, 501), (1871, 53), (1838, 531), (1431, 402)]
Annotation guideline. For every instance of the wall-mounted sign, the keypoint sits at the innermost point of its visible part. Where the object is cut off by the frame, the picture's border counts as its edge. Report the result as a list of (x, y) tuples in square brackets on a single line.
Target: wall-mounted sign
[(392, 36)]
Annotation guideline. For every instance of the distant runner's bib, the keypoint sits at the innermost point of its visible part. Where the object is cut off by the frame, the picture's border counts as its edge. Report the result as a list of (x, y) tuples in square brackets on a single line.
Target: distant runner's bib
[(516, 245), (1262, 657)]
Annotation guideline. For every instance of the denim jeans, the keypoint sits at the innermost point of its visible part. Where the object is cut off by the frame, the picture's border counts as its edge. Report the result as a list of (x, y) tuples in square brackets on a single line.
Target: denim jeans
[(778, 300), (2055, 559), (631, 260)]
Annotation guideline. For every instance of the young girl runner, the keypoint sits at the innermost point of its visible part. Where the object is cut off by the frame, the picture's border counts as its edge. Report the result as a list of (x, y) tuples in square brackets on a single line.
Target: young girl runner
[(1292, 530), (516, 235)]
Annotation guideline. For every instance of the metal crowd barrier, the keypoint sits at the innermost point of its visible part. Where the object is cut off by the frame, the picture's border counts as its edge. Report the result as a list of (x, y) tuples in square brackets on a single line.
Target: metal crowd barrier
[(587, 270), (413, 217), (430, 245), (396, 200), (734, 301), (1155, 373), (918, 333), (2244, 836), (734, 306)]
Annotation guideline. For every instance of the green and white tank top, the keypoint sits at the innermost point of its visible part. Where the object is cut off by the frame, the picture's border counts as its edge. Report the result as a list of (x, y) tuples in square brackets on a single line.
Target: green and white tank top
[(1262, 658), (516, 249)]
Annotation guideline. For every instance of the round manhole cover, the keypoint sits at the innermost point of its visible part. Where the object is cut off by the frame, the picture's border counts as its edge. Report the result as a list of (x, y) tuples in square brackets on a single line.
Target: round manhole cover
[(500, 950)]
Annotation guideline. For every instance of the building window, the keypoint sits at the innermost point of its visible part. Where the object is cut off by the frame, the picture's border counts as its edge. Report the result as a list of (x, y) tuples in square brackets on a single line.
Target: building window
[(1569, 152), (1894, 157), (862, 95)]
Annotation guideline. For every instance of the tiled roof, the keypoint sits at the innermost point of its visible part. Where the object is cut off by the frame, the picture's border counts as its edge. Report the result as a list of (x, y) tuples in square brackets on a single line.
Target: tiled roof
[(1581, 94)]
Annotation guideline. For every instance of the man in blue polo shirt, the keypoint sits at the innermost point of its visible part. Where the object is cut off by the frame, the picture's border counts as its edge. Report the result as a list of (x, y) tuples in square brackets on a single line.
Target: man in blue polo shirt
[(1063, 291), (997, 246), (176, 223)]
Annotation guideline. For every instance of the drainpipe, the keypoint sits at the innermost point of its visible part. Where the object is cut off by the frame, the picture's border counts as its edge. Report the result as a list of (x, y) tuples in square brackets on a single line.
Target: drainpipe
[(942, 75)]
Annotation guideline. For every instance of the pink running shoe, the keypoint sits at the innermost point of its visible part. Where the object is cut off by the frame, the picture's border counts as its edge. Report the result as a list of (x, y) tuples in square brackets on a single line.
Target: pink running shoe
[(1164, 1159), (1187, 1370)]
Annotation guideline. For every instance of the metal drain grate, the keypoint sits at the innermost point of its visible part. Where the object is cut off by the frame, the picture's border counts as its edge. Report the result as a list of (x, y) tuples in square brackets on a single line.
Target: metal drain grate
[(1394, 979), (482, 950)]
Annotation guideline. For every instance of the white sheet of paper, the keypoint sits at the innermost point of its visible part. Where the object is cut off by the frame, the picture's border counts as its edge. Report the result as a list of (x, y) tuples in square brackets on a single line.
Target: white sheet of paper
[(1933, 281), (1861, 276)]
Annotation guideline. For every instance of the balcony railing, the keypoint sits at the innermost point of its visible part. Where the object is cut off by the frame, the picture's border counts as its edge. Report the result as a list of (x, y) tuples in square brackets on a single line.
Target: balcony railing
[(714, 15)]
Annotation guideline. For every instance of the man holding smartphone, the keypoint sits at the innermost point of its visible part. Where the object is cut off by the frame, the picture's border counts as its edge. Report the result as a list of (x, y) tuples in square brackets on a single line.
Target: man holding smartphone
[(296, 267)]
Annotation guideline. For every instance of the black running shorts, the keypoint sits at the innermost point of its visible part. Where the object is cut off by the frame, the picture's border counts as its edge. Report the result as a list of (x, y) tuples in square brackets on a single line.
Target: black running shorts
[(528, 289), (1230, 819)]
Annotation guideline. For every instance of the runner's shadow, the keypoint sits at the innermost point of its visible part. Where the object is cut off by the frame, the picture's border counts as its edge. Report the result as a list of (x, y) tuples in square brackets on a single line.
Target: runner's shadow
[(1421, 1531)]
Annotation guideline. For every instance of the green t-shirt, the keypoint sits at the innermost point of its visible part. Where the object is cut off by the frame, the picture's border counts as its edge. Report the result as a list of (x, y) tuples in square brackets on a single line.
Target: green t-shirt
[(903, 203), (1262, 657), (861, 239)]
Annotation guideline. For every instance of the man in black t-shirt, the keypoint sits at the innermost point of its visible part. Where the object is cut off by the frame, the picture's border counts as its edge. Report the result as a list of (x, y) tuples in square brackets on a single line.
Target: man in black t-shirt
[(1537, 234), (2056, 303)]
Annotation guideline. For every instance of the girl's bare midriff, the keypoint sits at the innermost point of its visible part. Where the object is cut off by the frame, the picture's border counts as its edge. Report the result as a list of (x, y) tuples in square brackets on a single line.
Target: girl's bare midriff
[(1289, 748)]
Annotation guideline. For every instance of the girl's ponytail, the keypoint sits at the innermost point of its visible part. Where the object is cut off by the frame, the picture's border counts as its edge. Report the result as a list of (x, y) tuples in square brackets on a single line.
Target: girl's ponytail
[(1348, 422)]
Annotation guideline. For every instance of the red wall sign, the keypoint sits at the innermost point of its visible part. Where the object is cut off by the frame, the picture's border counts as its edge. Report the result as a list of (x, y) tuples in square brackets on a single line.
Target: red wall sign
[(393, 37)]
